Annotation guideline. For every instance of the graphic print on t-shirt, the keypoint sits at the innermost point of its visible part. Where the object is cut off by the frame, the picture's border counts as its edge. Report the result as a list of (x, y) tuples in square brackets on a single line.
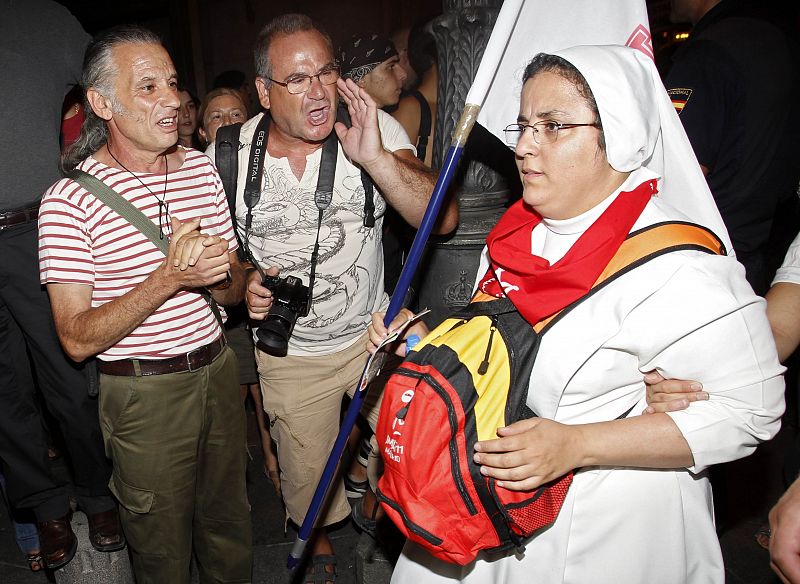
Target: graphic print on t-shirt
[(349, 268)]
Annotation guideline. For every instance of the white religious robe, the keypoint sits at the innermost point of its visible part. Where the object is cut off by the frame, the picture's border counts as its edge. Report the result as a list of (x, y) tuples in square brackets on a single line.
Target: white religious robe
[(689, 315)]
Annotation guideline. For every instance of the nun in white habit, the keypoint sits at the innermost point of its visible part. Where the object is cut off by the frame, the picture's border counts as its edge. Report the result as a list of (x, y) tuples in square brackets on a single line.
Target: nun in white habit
[(601, 154)]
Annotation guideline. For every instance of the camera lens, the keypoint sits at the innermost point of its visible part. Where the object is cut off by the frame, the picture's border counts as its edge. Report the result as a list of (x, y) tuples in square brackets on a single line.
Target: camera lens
[(273, 334)]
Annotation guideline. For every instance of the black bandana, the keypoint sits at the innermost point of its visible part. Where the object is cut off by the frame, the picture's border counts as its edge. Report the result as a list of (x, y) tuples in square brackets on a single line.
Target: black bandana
[(362, 53)]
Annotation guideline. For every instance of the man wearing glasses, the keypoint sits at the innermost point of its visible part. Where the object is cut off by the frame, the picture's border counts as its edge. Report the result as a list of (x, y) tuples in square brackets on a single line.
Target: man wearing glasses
[(298, 84)]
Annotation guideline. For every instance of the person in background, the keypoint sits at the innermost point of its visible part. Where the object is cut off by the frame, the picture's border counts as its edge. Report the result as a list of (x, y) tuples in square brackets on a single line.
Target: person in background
[(371, 61), (783, 303), (221, 107), (234, 79), (187, 120), (374, 64), (42, 48), (783, 311), (24, 520), (735, 83), (400, 41), (25, 532), (416, 111), (72, 117)]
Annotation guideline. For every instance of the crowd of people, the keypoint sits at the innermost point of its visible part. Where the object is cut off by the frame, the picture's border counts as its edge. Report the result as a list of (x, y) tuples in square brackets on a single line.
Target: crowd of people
[(168, 271)]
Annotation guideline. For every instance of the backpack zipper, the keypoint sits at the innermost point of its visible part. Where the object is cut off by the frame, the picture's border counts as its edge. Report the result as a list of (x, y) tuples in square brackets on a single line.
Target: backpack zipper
[(484, 366)]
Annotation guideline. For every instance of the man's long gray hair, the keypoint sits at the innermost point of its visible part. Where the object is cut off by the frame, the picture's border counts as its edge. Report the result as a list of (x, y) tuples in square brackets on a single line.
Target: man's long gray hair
[(99, 73)]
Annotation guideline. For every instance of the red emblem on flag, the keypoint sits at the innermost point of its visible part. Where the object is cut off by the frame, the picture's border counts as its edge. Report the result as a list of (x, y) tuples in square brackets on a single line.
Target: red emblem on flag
[(640, 39)]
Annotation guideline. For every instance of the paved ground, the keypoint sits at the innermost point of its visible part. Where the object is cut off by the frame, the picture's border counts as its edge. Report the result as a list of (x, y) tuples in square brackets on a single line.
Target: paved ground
[(754, 483)]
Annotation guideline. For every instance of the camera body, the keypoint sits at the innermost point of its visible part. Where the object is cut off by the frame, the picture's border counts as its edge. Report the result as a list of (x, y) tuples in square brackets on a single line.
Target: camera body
[(290, 299)]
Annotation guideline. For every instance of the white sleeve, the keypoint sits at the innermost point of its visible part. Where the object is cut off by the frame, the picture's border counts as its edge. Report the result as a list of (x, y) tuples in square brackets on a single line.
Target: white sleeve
[(705, 324), (393, 135), (790, 270)]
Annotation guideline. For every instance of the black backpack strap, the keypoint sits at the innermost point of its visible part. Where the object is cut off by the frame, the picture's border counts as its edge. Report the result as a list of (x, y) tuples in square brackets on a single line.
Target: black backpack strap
[(226, 157), (342, 115), (485, 308), (425, 121)]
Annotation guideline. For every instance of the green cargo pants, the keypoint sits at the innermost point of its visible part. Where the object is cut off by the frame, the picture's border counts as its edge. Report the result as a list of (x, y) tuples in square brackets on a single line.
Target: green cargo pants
[(177, 442)]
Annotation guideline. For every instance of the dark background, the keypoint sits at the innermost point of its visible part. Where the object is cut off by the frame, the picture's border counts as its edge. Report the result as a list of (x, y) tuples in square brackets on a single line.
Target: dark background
[(206, 37)]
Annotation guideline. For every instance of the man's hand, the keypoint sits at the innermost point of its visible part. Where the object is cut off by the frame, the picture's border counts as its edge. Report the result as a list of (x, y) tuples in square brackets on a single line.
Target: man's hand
[(362, 140), (530, 453), (258, 298), (671, 395), (378, 332), (195, 260), (784, 543), (405, 182)]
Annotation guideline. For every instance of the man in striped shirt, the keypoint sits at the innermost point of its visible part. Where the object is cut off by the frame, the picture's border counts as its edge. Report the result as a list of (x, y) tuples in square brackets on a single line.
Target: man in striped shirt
[(170, 411)]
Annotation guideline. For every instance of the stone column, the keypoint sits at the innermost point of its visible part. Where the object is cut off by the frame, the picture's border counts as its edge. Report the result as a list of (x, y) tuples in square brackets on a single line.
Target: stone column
[(483, 193)]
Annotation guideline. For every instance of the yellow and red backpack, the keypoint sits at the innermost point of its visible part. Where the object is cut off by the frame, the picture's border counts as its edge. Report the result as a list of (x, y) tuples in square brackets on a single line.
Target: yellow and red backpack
[(468, 377)]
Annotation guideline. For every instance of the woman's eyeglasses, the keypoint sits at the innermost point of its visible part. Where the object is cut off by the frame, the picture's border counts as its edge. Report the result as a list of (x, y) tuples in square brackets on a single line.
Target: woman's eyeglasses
[(544, 132)]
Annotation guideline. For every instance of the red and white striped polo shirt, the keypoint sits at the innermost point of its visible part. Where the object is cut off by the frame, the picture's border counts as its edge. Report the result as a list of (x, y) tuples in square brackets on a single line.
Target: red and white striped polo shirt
[(83, 241)]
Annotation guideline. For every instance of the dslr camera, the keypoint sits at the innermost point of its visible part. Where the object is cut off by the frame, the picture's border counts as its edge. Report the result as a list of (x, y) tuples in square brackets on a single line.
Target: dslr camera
[(290, 299)]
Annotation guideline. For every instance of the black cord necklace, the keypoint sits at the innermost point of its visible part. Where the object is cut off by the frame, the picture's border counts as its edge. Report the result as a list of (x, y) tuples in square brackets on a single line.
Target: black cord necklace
[(162, 202)]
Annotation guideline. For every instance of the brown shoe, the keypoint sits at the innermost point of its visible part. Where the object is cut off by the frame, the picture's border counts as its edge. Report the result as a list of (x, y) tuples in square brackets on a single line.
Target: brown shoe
[(105, 531), (57, 541)]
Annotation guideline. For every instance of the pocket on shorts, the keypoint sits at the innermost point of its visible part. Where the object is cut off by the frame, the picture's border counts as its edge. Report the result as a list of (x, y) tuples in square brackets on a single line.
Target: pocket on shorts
[(132, 498)]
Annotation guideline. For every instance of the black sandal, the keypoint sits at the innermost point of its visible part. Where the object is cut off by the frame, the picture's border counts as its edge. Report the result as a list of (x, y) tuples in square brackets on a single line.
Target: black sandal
[(319, 575), (368, 525)]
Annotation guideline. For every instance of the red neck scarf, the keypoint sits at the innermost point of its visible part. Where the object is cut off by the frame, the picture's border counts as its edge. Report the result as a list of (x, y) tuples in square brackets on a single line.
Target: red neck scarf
[(536, 288)]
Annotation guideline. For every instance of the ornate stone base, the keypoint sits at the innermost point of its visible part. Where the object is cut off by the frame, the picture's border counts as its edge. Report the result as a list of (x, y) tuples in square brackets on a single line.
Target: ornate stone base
[(449, 274)]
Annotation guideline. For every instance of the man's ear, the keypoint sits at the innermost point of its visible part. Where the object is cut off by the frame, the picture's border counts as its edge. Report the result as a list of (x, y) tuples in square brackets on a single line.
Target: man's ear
[(362, 82), (263, 93), (100, 104), (203, 134)]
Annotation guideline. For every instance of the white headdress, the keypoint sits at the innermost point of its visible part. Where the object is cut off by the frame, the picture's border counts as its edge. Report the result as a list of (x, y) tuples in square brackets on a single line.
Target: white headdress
[(642, 128)]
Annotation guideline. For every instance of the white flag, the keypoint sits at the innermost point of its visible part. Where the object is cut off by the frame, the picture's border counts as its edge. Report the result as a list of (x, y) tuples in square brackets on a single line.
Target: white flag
[(544, 26)]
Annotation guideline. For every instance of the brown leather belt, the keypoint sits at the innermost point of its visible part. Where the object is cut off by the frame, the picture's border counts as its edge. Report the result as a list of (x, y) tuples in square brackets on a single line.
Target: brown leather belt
[(15, 217), (191, 361)]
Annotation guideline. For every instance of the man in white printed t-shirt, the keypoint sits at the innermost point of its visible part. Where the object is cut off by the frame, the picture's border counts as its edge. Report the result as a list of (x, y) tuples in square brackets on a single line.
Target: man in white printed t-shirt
[(298, 83), (172, 419)]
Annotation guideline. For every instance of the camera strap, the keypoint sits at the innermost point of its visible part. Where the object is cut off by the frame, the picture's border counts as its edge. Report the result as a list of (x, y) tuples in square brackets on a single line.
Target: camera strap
[(255, 168), (258, 150), (322, 199), (322, 196)]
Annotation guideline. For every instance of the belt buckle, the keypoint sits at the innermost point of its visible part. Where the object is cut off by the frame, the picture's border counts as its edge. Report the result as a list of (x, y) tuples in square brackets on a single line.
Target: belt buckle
[(189, 358)]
